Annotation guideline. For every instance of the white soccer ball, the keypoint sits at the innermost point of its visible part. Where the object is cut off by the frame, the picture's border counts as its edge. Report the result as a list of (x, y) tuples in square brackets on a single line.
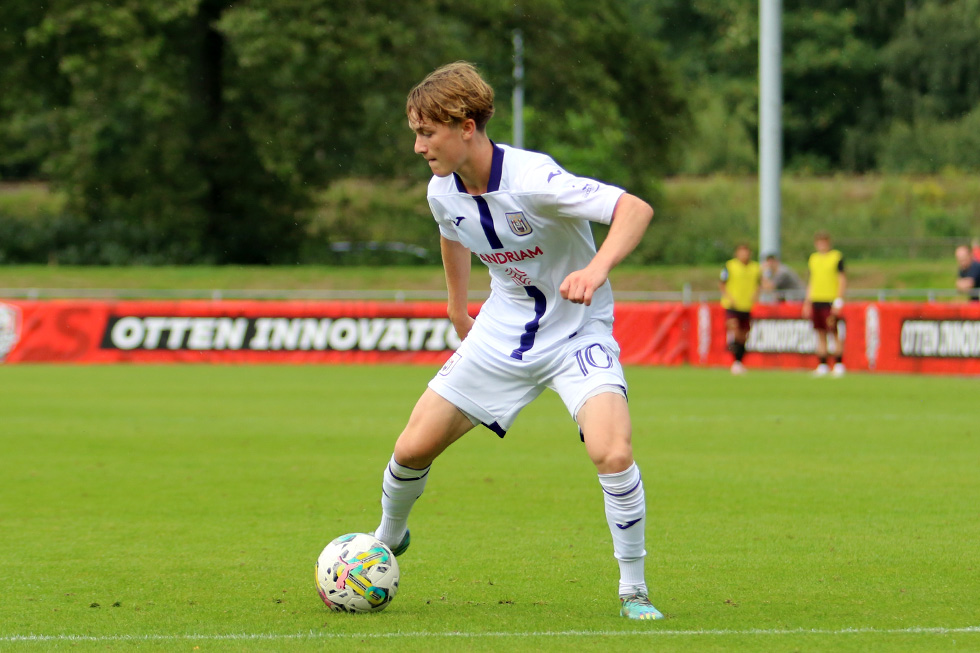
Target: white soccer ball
[(357, 572)]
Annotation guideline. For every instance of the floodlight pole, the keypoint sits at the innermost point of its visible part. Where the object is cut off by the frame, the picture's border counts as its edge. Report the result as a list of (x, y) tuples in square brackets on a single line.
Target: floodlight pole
[(770, 124), (518, 99)]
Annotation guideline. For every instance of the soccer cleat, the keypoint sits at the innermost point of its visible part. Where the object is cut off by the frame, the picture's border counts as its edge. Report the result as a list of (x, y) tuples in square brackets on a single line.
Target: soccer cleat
[(821, 370), (403, 545), (839, 369), (738, 368), (638, 606)]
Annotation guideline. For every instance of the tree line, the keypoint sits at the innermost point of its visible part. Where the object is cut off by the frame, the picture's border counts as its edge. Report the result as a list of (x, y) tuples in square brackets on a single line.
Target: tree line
[(202, 130)]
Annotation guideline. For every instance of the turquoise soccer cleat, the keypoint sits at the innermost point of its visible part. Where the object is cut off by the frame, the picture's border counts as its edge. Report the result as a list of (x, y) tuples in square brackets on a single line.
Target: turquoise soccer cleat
[(638, 606), (403, 545)]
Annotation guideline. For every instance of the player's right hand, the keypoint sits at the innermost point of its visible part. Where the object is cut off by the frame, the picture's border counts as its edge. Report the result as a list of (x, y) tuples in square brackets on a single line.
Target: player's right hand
[(463, 325)]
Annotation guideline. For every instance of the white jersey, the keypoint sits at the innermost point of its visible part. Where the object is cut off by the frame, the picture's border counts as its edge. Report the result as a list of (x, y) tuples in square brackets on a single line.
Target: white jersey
[(531, 230)]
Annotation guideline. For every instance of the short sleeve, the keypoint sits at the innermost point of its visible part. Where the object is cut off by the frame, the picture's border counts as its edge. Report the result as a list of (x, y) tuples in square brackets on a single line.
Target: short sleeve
[(447, 227), (574, 197)]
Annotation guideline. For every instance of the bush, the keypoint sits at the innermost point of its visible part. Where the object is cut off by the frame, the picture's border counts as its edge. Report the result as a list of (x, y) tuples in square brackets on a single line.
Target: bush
[(930, 146)]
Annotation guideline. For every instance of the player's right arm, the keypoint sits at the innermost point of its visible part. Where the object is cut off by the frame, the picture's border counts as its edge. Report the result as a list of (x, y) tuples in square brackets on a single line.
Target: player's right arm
[(457, 261)]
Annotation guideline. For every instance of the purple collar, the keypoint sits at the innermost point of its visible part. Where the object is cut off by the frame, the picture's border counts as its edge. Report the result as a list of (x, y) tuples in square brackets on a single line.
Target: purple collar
[(496, 170)]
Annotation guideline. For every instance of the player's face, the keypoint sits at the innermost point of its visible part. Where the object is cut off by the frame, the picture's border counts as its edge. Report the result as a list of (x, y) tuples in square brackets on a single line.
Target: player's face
[(743, 254), (822, 245), (441, 145), (963, 257)]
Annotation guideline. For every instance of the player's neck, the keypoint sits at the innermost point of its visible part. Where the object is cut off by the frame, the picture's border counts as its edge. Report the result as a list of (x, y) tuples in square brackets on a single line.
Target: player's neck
[(475, 171)]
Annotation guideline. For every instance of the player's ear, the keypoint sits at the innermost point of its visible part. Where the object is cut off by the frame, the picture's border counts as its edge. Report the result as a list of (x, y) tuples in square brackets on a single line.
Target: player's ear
[(468, 127)]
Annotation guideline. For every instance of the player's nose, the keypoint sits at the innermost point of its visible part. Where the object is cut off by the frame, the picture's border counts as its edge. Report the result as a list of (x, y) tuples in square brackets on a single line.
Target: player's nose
[(420, 147)]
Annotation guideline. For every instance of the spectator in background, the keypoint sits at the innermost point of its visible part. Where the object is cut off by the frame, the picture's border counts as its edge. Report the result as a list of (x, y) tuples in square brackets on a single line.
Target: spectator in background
[(969, 273), (780, 282), (824, 302), (739, 287), (975, 249)]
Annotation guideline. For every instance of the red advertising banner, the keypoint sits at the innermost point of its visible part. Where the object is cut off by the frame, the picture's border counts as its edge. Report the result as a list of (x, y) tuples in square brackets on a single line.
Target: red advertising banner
[(227, 332), (86, 331), (780, 337), (924, 338), (888, 337)]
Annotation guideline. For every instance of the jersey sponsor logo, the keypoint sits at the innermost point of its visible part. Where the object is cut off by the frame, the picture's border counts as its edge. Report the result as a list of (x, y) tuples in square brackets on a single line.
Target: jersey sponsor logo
[(518, 276), (9, 329), (458, 219), (783, 336), (503, 258), (172, 333), (518, 223), (940, 338), (552, 175)]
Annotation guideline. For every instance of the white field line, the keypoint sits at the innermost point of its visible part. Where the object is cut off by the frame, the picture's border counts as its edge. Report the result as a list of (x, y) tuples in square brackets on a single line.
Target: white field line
[(653, 632)]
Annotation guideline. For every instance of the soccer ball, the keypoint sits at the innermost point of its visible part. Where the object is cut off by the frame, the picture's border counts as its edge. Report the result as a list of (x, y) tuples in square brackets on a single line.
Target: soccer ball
[(357, 572)]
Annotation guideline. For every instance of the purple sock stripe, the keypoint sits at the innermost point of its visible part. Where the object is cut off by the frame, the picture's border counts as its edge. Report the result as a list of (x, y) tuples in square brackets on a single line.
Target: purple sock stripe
[(402, 478), (623, 494)]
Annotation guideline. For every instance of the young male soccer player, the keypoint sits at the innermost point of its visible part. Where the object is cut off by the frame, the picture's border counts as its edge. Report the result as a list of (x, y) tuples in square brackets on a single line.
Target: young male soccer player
[(825, 300), (547, 322), (739, 286)]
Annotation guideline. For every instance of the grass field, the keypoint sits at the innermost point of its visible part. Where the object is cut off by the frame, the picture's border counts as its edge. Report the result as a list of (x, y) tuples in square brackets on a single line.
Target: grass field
[(861, 274), (181, 508)]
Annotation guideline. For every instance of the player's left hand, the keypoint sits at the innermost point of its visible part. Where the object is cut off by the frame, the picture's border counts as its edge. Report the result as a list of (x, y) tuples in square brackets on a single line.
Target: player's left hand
[(579, 286)]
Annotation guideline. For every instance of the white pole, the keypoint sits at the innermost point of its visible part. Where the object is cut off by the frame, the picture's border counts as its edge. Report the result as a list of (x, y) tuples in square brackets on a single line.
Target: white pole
[(770, 124), (518, 100)]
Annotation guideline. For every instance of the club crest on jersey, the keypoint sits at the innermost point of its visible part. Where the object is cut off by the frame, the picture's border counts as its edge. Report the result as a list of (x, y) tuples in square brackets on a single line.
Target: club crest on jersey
[(518, 223)]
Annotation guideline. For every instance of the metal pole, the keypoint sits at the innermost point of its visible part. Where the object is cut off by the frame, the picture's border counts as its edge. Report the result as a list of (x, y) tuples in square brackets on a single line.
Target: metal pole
[(770, 124), (518, 100)]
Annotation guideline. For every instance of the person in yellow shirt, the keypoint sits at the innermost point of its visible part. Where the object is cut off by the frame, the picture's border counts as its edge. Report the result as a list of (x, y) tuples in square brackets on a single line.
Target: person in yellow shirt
[(824, 302), (739, 287)]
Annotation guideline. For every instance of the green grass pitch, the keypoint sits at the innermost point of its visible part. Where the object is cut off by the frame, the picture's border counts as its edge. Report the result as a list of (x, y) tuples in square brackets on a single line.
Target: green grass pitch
[(178, 508)]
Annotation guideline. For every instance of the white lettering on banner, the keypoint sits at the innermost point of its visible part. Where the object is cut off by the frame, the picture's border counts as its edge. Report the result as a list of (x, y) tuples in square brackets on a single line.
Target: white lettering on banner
[(786, 336), (872, 335), (230, 333), (940, 338), (280, 334)]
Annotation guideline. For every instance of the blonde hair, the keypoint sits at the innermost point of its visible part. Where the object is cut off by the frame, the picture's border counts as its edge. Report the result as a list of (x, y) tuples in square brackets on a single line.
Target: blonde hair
[(450, 95)]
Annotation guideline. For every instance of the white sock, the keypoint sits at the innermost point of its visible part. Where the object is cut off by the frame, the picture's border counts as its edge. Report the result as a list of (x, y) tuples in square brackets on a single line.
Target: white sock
[(399, 490), (626, 516)]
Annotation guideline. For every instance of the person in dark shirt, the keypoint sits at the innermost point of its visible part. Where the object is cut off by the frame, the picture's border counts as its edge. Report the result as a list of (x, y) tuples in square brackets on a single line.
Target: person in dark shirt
[(969, 270)]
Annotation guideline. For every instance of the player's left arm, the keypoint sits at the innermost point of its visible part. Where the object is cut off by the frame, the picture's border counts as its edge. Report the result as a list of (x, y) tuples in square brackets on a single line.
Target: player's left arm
[(629, 222)]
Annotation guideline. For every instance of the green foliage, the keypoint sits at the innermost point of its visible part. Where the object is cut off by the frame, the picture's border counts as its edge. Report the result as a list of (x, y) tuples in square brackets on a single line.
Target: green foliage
[(933, 62), (213, 125), (928, 144)]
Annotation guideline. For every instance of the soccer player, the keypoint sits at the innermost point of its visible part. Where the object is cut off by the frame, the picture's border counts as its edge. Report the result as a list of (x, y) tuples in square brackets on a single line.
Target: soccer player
[(739, 287), (824, 302), (547, 322)]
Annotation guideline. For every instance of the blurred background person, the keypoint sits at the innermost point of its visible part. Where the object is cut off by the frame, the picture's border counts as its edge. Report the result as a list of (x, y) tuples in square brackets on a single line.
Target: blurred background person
[(739, 287), (780, 282), (969, 273), (824, 302)]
